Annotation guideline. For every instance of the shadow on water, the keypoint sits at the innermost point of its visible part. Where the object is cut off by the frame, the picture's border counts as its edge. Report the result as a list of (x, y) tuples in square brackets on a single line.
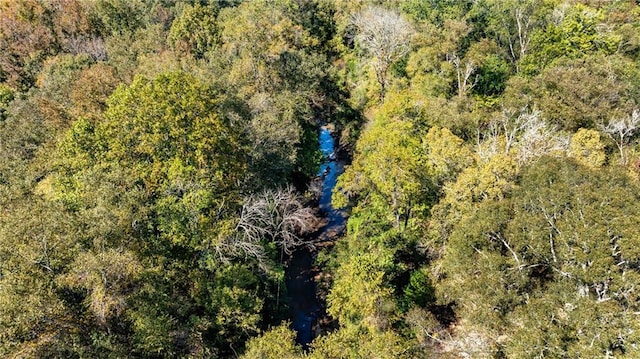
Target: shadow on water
[(301, 286)]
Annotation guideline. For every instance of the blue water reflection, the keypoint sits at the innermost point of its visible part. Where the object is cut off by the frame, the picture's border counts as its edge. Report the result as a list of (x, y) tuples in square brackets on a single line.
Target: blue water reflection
[(330, 169), (300, 284)]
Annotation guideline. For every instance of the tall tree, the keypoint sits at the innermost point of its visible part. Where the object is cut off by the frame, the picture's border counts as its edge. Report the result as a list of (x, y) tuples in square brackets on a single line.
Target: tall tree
[(386, 35)]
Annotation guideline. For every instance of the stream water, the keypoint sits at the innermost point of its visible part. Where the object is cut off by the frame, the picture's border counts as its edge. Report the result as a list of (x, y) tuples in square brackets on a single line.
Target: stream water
[(330, 169), (301, 286)]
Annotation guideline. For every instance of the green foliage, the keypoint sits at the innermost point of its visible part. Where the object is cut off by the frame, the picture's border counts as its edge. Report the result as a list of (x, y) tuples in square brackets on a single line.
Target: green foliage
[(420, 289), (162, 169), (317, 17), (570, 92), (6, 96), (386, 170), (353, 341), (107, 277), (271, 62), (513, 23), (434, 11), (359, 293), (551, 242), (119, 16), (492, 76), (277, 343), (446, 155), (173, 120), (195, 31), (37, 241), (152, 331), (574, 35), (136, 135), (266, 45), (492, 180)]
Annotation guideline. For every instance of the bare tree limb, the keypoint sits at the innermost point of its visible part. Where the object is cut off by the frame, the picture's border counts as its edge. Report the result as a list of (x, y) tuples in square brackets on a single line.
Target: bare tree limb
[(386, 35), (621, 130), (277, 216)]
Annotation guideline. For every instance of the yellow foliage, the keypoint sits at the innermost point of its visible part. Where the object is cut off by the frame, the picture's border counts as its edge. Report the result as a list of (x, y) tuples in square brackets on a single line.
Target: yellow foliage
[(587, 148), (277, 343), (359, 294), (446, 154)]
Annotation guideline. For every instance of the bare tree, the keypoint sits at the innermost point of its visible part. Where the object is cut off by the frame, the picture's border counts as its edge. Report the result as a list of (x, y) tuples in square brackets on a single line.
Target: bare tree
[(94, 46), (519, 42), (386, 35), (515, 20), (539, 139), (523, 24), (621, 130), (464, 70), (524, 132), (278, 216), (504, 131)]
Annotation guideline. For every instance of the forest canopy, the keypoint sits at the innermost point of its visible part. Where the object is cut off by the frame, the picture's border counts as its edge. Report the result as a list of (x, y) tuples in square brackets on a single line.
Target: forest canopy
[(159, 167)]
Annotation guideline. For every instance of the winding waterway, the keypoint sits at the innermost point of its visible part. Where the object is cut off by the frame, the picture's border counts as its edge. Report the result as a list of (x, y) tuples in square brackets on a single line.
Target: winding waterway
[(301, 286)]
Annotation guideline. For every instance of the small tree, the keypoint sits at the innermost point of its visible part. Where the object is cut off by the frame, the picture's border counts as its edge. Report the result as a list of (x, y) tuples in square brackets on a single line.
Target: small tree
[(278, 342), (385, 34)]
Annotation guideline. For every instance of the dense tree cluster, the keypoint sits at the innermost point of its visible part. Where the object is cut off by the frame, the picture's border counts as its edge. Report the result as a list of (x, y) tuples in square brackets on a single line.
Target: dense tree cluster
[(155, 157), (493, 186), (141, 140)]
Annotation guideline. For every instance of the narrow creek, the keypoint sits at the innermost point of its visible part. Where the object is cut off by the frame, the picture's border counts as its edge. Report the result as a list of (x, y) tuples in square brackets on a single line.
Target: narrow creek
[(304, 303), (330, 169)]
